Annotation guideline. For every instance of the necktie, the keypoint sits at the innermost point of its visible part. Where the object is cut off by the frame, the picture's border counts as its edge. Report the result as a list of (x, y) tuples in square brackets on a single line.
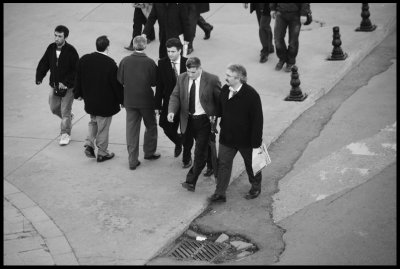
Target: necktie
[(174, 67), (192, 97), (233, 93)]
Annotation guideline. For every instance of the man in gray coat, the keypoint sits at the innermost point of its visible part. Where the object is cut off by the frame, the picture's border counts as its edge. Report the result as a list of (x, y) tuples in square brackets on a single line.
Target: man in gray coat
[(138, 73)]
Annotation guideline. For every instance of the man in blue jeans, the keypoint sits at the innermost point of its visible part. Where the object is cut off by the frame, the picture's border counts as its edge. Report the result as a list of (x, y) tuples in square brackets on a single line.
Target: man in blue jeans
[(288, 16), (61, 59)]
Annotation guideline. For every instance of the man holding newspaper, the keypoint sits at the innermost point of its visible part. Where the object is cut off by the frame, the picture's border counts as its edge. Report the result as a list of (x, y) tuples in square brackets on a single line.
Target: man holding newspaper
[(241, 130)]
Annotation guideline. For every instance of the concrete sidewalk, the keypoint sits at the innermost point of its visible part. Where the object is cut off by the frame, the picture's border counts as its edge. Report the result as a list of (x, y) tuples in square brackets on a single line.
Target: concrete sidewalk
[(105, 213)]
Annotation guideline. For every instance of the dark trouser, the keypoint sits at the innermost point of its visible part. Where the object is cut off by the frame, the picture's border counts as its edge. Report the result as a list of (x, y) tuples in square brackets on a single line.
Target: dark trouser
[(265, 33), (200, 130), (139, 21), (133, 121), (282, 22), (162, 50), (225, 160), (196, 19), (171, 131), (210, 155)]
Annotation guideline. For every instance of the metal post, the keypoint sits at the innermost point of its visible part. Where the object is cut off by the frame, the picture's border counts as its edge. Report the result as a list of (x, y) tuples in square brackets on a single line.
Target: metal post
[(337, 52), (366, 25), (295, 93)]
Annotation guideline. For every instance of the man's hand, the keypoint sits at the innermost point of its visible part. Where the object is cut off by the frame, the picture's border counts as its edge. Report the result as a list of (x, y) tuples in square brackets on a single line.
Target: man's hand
[(62, 86), (273, 14), (245, 5), (303, 19), (80, 98), (157, 112), (170, 117)]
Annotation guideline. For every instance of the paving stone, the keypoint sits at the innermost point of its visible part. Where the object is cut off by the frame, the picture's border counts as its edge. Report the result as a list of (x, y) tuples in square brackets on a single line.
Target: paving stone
[(36, 257), (222, 238), (240, 245), (9, 188), (23, 244), (13, 259), (191, 233), (47, 228), (11, 228), (58, 245), (243, 254), (34, 214), (20, 200), (65, 259)]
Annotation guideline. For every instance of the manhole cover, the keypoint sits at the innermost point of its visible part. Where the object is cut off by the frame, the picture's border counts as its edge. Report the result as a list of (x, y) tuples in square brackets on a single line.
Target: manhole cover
[(197, 250)]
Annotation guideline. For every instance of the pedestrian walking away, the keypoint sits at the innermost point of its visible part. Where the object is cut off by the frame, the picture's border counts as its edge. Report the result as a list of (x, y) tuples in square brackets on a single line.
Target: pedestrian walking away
[(97, 84), (264, 28), (288, 16), (196, 96), (173, 21), (61, 59), (168, 70), (138, 74), (241, 129), (140, 15)]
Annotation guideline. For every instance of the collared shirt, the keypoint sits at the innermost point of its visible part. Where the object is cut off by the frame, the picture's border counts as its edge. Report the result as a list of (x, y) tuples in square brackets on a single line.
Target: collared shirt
[(198, 108), (102, 52), (177, 65), (231, 91)]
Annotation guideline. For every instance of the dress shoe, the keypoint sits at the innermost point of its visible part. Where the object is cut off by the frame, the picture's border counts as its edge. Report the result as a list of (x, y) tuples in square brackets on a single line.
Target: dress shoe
[(155, 156), (279, 65), (178, 150), (190, 50), (134, 167), (101, 158), (129, 48), (89, 151), (217, 198), (188, 164), (252, 194), (208, 33), (263, 58), (272, 50), (288, 67), (209, 172), (188, 186)]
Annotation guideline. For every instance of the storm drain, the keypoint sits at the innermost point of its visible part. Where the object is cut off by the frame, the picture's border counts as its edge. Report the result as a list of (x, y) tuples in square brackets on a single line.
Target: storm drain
[(197, 250)]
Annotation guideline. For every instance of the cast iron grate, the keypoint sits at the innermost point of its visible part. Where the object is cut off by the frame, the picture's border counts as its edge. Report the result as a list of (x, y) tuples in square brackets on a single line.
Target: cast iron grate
[(197, 250)]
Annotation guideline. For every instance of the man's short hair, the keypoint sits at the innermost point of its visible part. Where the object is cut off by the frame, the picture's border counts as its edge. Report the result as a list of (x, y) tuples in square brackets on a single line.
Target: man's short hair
[(193, 62), (239, 70), (174, 42), (139, 42), (102, 43), (62, 29)]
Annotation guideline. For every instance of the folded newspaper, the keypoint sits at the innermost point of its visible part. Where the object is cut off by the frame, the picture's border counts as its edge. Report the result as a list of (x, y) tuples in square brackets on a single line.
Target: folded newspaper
[(260, 158)]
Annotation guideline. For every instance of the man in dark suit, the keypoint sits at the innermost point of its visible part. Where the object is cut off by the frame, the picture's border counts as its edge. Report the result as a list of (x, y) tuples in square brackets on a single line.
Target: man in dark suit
[(168, 70), (241, 130), (97, 84), (195, 10), (196, 94), (173, 20)]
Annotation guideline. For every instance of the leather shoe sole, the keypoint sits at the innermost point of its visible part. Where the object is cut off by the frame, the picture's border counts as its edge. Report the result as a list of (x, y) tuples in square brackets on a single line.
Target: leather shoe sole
[(134, 167), (188, 186), (129, 48), (187, 165), (217, 198), (252, 195), (263, 59), (155, 156), (178, 150), (208, 33), (105, 158)]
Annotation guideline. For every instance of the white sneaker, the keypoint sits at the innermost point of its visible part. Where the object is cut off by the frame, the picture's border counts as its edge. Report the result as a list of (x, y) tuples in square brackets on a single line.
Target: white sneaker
[(64, 140)]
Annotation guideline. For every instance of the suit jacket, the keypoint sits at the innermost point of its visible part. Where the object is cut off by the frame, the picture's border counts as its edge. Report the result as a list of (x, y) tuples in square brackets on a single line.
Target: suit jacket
[(241, 118), (173, 20), (210, 88), (96, 82)]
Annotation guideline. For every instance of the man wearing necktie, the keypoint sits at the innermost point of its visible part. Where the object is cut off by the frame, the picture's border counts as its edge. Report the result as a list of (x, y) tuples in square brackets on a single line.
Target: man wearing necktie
[(241, 130), (167, 72), (196, 95)]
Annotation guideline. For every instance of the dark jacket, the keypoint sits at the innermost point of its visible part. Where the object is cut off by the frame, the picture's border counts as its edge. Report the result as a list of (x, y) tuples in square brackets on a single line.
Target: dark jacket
[(64, 71), (263, 8), (241, 118), (300, 8), (96, 82), (166, 81), (173, 20), (138, 73), (202, 7)]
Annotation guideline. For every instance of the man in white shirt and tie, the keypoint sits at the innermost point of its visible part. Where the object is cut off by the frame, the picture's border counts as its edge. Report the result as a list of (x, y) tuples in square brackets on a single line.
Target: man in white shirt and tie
[(196, 96)]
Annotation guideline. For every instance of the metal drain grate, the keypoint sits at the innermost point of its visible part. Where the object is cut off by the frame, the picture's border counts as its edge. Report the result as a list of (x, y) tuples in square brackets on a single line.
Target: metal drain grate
[(197, 250)]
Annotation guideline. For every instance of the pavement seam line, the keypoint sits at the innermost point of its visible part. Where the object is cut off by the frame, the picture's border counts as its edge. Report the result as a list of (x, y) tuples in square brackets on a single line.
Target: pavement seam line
[(81, 19)]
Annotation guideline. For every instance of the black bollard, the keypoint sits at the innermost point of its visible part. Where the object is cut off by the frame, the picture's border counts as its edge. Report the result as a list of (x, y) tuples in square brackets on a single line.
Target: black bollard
[(295, 93), (365, 25), (337, 52)]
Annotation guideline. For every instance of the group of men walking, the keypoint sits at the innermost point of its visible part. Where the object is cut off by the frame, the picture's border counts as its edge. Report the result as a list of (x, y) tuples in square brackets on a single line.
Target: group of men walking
[(186, 96)]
